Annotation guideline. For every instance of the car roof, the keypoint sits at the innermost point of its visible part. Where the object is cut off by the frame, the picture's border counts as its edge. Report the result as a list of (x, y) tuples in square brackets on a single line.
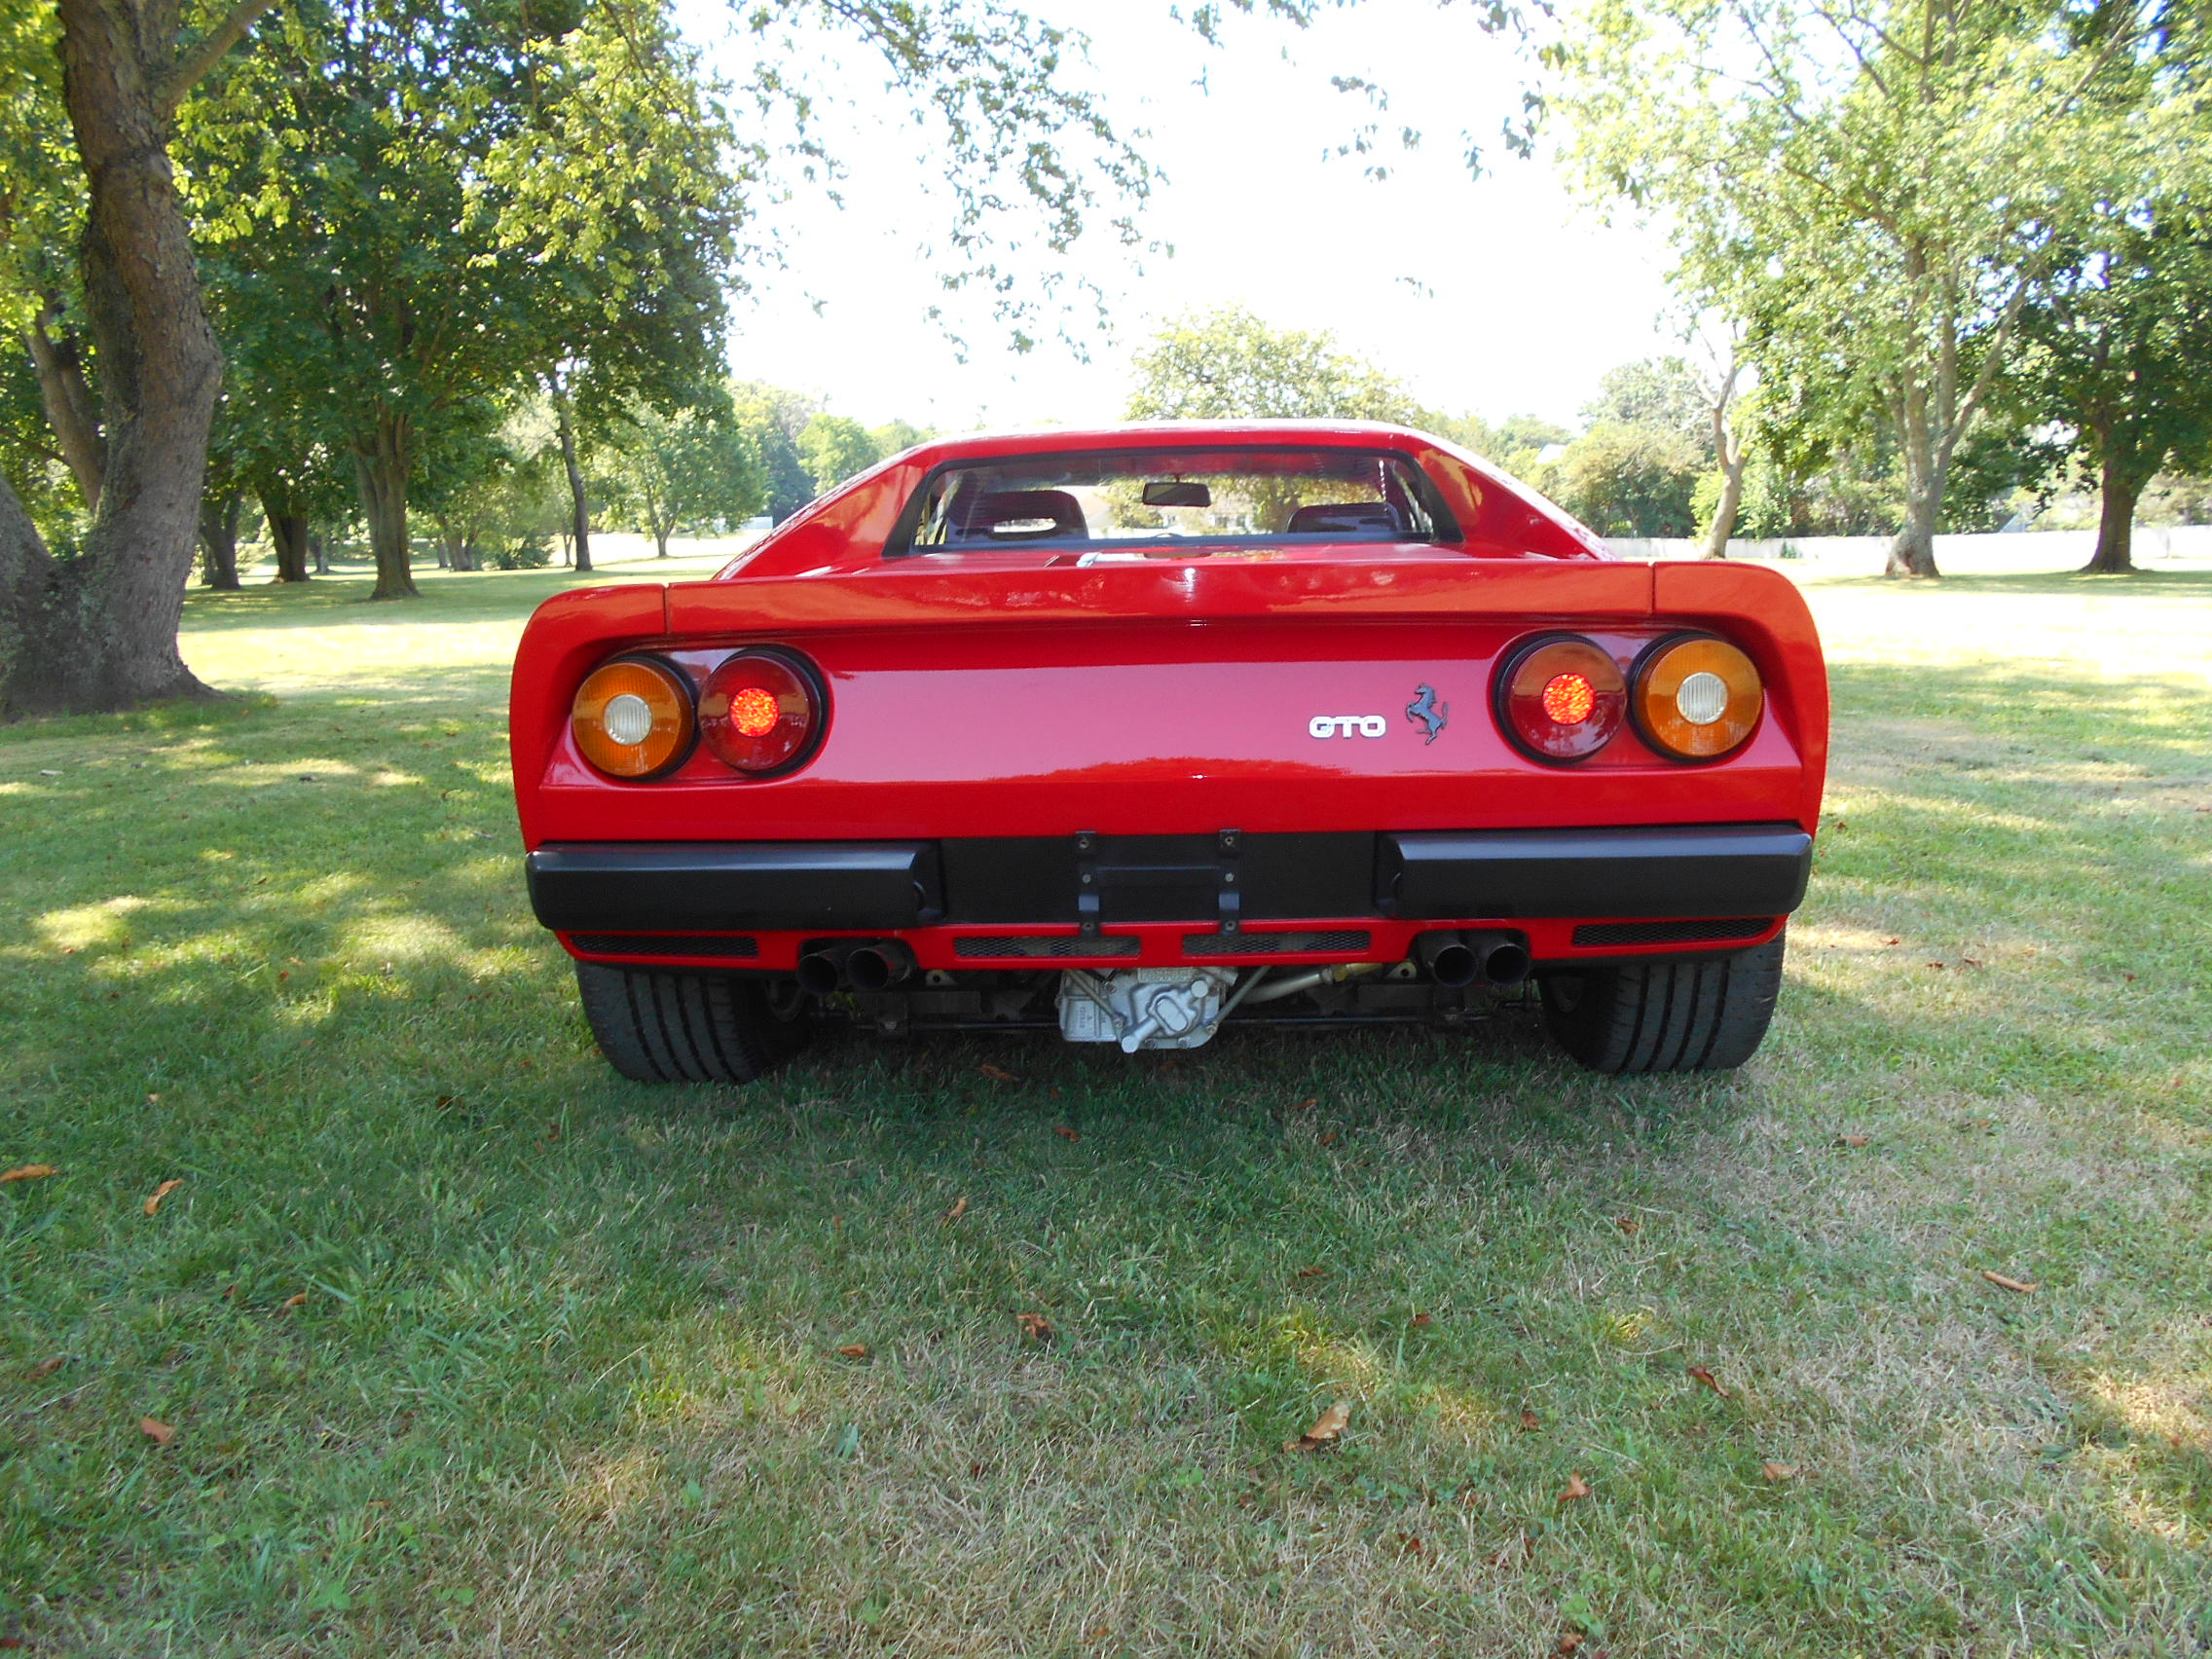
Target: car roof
[(1167, 434)]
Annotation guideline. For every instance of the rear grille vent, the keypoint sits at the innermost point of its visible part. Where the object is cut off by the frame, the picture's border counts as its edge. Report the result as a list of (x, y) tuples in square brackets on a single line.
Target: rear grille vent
[(718, 947), (1672, 933), (1057, 944), (1344, 939)]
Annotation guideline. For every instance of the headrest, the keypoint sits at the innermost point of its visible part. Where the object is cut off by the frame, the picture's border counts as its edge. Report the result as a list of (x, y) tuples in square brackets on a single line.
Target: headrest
[(1025, 515), (1347, 518)]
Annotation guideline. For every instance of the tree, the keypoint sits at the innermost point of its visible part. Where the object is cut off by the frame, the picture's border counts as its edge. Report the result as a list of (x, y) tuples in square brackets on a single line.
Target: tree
[(1228, 364), (772, 419), (1665, 394), (98, 631), (1628, 480), (1872, 190), (695, 467), (2118, 350), (835, 448)]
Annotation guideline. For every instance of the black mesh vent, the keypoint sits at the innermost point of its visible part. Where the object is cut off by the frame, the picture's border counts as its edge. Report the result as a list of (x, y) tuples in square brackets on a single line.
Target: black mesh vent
[(1672, 933), (1059, 945), (720, 947), (1344, 939)]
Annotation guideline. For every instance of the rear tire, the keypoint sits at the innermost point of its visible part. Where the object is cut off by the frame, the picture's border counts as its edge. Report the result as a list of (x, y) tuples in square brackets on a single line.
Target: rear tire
[(1707, 1015), (657, 1026)]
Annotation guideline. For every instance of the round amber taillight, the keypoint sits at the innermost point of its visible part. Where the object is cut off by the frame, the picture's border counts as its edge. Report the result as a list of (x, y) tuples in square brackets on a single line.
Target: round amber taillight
[(761, 711), (1697, 698), (632, 718), (1563, 698)]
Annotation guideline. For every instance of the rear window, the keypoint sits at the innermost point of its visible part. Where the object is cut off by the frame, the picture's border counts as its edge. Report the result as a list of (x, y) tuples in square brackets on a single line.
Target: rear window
[(1161, 502)]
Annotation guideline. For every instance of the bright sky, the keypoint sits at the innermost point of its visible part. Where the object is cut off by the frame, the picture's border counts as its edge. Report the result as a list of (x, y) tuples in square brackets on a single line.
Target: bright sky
[(1493, 296)]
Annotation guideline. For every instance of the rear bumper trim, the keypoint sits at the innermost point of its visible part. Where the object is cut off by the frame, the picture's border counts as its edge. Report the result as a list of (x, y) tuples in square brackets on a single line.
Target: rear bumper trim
[(735, 886), (1684, 871)]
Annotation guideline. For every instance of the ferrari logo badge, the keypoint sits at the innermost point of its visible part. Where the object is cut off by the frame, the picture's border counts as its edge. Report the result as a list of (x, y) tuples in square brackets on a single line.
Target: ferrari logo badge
[(1428, 712)]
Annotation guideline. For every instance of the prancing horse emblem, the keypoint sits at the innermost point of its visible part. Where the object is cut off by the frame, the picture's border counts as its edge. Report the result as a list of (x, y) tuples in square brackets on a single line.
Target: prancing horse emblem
[(1431, 714)]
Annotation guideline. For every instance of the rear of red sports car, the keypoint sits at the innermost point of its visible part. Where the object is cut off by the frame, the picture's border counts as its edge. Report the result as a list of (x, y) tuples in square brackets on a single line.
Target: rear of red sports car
[(1131, 734)]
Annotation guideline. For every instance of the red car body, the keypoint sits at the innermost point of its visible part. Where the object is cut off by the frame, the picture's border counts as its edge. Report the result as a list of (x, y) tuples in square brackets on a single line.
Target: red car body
[(1018, 721)]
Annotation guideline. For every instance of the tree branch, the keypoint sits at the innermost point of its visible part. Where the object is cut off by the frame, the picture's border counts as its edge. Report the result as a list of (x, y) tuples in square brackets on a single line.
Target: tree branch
[(193, 62)]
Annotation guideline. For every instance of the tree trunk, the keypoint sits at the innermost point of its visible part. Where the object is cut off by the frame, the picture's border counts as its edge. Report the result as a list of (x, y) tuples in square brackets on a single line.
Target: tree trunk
[(98, 631), (381, 466), (288, 537), (219, 539), (580, 508), (453, 547), (1724, 524), (70, 409), (320, 546), (1912, 551), (2120, 488)]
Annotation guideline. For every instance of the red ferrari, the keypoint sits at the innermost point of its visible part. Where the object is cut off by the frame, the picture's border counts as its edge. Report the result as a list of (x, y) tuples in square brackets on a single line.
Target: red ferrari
[(1133, 733)]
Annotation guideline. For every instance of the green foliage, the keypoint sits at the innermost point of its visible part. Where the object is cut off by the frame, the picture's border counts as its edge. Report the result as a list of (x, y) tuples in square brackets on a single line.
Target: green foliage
[(1873, 192), (772, 419), (1627, 480), (1664, 393), (834, 448), (694, 470), (1228, 364)]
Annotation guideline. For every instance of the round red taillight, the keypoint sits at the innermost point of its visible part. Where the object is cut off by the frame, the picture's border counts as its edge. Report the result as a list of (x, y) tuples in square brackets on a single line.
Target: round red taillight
[(761, 711), (1561, 698)]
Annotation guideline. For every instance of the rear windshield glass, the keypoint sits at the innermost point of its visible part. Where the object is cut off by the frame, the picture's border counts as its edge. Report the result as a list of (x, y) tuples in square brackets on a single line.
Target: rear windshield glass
[(1154, 503)]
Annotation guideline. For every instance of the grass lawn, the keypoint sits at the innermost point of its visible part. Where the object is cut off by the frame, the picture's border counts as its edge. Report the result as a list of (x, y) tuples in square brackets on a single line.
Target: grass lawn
[(467, 1346)]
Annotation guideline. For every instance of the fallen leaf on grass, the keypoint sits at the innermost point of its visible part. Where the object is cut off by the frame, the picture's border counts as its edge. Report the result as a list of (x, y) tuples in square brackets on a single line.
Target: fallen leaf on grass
[(1937, 965), (1329, 1139), (159, 1433), (298, 1299), (1064, 1132), (1409, 1543), (1529, 1422), (958, 1210), (2018, 1287), (161, 1192), (1628, 1224), (27, 1172), (997, 1074), (1778, 1471), (1326, 1428), (1570, 1643), (1422, 1321), (853, 1350), (1306, 1105), (1311, 1272), (1035, 1327), (1853, 1140), (1893, 940), (1576, 1488), (47, 1367), (1699, 1373)]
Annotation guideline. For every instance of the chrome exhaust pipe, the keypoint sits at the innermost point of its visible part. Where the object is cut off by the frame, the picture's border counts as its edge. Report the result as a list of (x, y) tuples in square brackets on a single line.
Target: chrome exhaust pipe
[(1447, 958), (821, 969), (1502, 958), (878, 965)]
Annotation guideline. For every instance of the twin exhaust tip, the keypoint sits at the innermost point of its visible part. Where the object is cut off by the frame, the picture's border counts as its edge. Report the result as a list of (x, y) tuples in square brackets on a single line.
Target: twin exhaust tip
[(855, 964), (1459, 959), (1452, 959)]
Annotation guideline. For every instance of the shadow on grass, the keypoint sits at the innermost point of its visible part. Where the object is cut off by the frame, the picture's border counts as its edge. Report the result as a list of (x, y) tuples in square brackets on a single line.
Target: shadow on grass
[(2146, 583)]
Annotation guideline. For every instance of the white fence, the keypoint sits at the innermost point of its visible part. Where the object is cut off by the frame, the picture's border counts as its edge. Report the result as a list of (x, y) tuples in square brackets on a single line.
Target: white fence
[(2011, 550)]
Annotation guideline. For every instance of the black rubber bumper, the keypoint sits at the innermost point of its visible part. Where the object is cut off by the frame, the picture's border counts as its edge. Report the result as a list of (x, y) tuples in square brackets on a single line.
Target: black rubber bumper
[(1723, 869), (710, 885), (1704, 871)]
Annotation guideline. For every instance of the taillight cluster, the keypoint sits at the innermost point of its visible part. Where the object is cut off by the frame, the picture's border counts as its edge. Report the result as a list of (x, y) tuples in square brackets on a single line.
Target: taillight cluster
[(760, 712), (1689, 696)]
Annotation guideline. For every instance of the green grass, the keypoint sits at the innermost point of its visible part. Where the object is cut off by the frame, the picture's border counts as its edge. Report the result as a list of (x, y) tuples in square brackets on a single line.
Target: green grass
[(565, 1379)]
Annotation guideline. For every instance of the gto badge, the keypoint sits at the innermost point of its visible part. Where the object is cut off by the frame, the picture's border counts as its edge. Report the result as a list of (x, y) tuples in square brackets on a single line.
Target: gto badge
[(1431, 714), (1349, 726)]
